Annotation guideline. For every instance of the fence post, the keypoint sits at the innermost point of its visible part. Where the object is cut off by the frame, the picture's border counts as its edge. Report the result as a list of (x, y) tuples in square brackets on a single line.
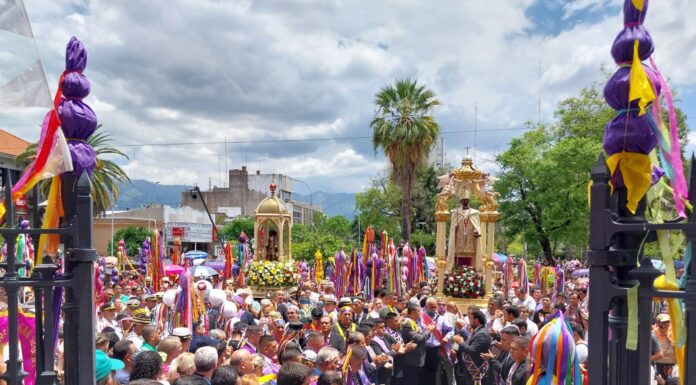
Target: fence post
[(79, 327)]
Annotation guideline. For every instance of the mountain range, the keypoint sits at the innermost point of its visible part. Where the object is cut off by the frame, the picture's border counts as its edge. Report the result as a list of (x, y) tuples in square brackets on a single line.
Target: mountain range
[(138, 193)]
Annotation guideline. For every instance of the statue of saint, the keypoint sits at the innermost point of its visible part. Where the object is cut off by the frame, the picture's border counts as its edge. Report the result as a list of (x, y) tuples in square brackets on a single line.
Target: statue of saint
[(463, 241)]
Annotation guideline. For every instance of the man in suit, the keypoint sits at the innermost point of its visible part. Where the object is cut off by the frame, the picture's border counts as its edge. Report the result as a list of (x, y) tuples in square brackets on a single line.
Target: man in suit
[(471, 368), (342, 328), (519, 350), (500, 366), (392, 336), (411, 331)]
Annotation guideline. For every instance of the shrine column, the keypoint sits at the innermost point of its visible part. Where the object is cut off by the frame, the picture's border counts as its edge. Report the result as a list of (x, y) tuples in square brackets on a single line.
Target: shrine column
[(482, 244), (280, 225), (442, 215), (256, 239), (490, 240)]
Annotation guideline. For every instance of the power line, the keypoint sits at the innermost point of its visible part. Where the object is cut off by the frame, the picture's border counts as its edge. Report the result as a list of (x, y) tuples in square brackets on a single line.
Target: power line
[(262, 141), (302, 140)]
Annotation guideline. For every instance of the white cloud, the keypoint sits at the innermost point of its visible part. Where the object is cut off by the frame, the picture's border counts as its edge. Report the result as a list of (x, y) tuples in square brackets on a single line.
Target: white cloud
[(209, 71)]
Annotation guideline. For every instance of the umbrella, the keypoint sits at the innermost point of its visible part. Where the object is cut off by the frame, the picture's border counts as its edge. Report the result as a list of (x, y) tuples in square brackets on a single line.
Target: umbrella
[(581, 273), (216, 264), (173, 269), (203, 271), (499, 258)]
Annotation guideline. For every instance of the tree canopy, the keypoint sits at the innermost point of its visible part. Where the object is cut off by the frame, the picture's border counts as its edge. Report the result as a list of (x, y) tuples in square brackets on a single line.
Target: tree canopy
[(404, 128), (133, 236), (545, 174)]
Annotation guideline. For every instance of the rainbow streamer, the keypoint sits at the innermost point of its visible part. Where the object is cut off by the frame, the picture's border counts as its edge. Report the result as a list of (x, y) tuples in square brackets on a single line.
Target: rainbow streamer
[(553, 349), (560, 280), (184, 303), (537, 274), (668, 140), (522, 277), (340, 270), (507, 277), (52, 155)]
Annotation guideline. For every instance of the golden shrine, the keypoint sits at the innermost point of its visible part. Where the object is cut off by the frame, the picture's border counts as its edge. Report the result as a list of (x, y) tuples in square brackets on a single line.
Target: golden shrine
[(272, 230), (471, 235)]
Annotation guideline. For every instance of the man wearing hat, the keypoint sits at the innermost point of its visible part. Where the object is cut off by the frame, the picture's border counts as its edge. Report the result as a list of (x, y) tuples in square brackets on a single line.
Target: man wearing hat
[(665, 362), (330, 307), (342, 328), (105, 368), (150, 302), (184, 336), (132, 305), (159, 312), (140, 319), (107, 317), (125, 322)]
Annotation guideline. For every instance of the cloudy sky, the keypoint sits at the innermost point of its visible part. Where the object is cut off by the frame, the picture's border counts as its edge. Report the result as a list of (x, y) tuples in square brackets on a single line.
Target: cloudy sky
[(202, 72)]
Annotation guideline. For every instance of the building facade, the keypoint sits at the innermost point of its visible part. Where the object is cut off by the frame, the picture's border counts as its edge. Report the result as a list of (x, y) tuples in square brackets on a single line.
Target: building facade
[(244, 193)]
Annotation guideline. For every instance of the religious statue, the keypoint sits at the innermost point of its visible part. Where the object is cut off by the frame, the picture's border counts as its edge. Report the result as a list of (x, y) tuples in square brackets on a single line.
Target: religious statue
[(465, 230)]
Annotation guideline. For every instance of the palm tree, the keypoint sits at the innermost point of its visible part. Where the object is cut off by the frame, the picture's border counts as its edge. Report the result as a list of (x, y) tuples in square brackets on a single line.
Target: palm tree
[(106, 176), (405, 130)]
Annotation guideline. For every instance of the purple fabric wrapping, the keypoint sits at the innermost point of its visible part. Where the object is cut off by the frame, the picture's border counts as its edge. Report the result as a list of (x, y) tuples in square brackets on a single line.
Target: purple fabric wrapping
[(632, 15), (75, 85), (638, 136), (78, 121), (75, 55), (622, 49), (628, 131), (617, 88)]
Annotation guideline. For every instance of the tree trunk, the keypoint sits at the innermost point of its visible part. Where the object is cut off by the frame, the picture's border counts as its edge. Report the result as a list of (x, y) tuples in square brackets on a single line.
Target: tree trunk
[(546, 248), (407, 177), (406, 213)]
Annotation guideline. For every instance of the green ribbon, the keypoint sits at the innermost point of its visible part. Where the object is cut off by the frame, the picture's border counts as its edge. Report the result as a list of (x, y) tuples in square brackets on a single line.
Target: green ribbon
[(632, 332)]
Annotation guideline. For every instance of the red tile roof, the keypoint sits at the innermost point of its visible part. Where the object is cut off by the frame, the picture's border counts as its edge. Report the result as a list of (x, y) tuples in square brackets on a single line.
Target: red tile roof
[(11, 145)]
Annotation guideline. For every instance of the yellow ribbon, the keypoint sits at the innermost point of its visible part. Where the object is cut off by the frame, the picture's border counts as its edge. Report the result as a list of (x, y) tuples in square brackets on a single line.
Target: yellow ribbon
[(632, 332), (636, 170), (640, 86)]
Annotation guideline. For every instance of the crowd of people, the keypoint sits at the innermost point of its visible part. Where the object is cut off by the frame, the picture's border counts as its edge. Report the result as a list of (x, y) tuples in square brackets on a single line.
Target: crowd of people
[(310, 336)]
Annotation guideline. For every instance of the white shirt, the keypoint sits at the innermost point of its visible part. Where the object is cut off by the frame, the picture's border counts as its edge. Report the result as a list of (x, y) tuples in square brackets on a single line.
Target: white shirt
[(532, 328), (135, 339), (529, 302), (581, 352)]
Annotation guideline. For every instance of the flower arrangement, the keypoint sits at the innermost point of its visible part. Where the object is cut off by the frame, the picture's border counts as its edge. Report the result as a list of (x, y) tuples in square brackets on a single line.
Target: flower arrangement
[(464, 282), (271, 274)]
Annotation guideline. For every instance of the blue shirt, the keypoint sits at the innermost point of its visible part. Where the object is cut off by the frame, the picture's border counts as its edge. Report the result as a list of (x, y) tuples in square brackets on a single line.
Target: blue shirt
[(122, 377)]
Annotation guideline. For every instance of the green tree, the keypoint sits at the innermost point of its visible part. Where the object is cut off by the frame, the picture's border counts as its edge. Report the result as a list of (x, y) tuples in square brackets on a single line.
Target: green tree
[(378, 206), (545, 173), (133, 236), (107, 173), (405, 130), (232, 230), (329, 235)]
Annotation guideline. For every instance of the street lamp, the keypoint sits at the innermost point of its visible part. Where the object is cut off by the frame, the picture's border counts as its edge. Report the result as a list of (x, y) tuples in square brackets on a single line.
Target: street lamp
[(195, 194)]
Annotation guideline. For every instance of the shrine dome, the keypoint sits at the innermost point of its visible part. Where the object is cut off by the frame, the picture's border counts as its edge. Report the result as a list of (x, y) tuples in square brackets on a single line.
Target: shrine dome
[(272, 205)]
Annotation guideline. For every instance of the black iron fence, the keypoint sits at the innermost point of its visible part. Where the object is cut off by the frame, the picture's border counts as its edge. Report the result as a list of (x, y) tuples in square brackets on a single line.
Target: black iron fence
[(76, 280), (616, 238)]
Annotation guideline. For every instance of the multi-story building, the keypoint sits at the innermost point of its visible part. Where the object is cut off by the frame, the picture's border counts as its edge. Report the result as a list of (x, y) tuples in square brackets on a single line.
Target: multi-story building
[(244, 193)]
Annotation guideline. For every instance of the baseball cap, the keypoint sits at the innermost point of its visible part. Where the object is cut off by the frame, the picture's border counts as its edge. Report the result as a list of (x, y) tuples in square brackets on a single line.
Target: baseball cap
[(107, 306), (309, 355), (663, 318), (181, 332), (105, 365)]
